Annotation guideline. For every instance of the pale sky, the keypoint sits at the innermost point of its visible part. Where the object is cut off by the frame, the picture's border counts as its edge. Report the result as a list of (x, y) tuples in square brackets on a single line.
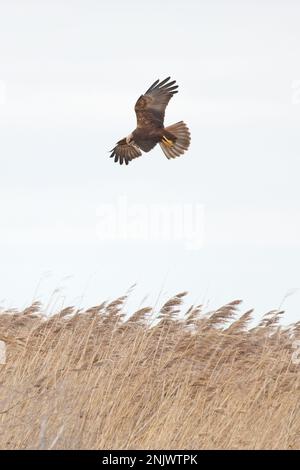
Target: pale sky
[(70, 73)]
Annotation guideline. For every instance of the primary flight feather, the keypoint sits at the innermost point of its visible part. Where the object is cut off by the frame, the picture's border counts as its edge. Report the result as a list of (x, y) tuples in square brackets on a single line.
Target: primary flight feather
[(150, 113)]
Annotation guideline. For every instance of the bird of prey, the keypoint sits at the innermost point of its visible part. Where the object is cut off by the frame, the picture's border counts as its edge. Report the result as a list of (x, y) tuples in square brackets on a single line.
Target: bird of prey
[(150, 130)]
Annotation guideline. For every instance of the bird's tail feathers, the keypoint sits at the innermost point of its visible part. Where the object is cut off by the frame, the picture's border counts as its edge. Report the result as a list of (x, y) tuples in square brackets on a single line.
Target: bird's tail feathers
[(176, 140)]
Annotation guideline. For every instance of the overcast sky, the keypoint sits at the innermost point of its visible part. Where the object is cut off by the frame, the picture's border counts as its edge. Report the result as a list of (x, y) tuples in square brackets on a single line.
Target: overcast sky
[(70, 73)]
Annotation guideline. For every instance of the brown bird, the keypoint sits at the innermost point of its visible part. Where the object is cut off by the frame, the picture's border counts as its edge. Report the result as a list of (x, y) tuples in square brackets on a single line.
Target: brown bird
[(150, 112)]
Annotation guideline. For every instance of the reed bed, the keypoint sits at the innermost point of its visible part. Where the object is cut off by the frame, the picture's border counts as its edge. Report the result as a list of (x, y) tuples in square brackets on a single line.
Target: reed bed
[(167, 379)]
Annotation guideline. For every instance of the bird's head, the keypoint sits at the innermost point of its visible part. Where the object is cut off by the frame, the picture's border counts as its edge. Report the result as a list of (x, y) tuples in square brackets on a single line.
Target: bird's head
[(129, 139)]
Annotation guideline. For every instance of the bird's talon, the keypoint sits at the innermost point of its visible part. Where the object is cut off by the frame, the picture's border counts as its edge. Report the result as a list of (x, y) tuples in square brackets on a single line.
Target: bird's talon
[(167, 142)]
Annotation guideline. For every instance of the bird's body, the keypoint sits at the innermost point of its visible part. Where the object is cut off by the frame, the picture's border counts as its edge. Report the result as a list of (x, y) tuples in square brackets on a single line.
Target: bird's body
[(150, 130), (146, 139)]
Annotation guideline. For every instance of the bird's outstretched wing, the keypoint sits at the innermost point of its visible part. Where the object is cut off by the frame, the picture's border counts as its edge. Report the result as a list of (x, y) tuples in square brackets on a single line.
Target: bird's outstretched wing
[(124, 152), (150, 107)]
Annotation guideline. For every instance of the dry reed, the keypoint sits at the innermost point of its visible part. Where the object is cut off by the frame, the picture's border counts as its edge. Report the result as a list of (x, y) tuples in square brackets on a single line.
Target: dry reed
[(91, 380)]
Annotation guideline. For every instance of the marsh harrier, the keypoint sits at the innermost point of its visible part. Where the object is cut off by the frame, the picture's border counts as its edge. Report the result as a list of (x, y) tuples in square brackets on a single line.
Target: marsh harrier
[(150, 112)]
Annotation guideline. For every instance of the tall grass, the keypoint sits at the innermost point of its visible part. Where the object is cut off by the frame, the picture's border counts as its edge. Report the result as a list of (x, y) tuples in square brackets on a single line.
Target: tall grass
[(90, 379)]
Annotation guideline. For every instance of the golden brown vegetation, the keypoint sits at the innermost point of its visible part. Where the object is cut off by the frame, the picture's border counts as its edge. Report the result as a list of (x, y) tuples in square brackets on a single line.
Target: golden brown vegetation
[(92, 380)]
